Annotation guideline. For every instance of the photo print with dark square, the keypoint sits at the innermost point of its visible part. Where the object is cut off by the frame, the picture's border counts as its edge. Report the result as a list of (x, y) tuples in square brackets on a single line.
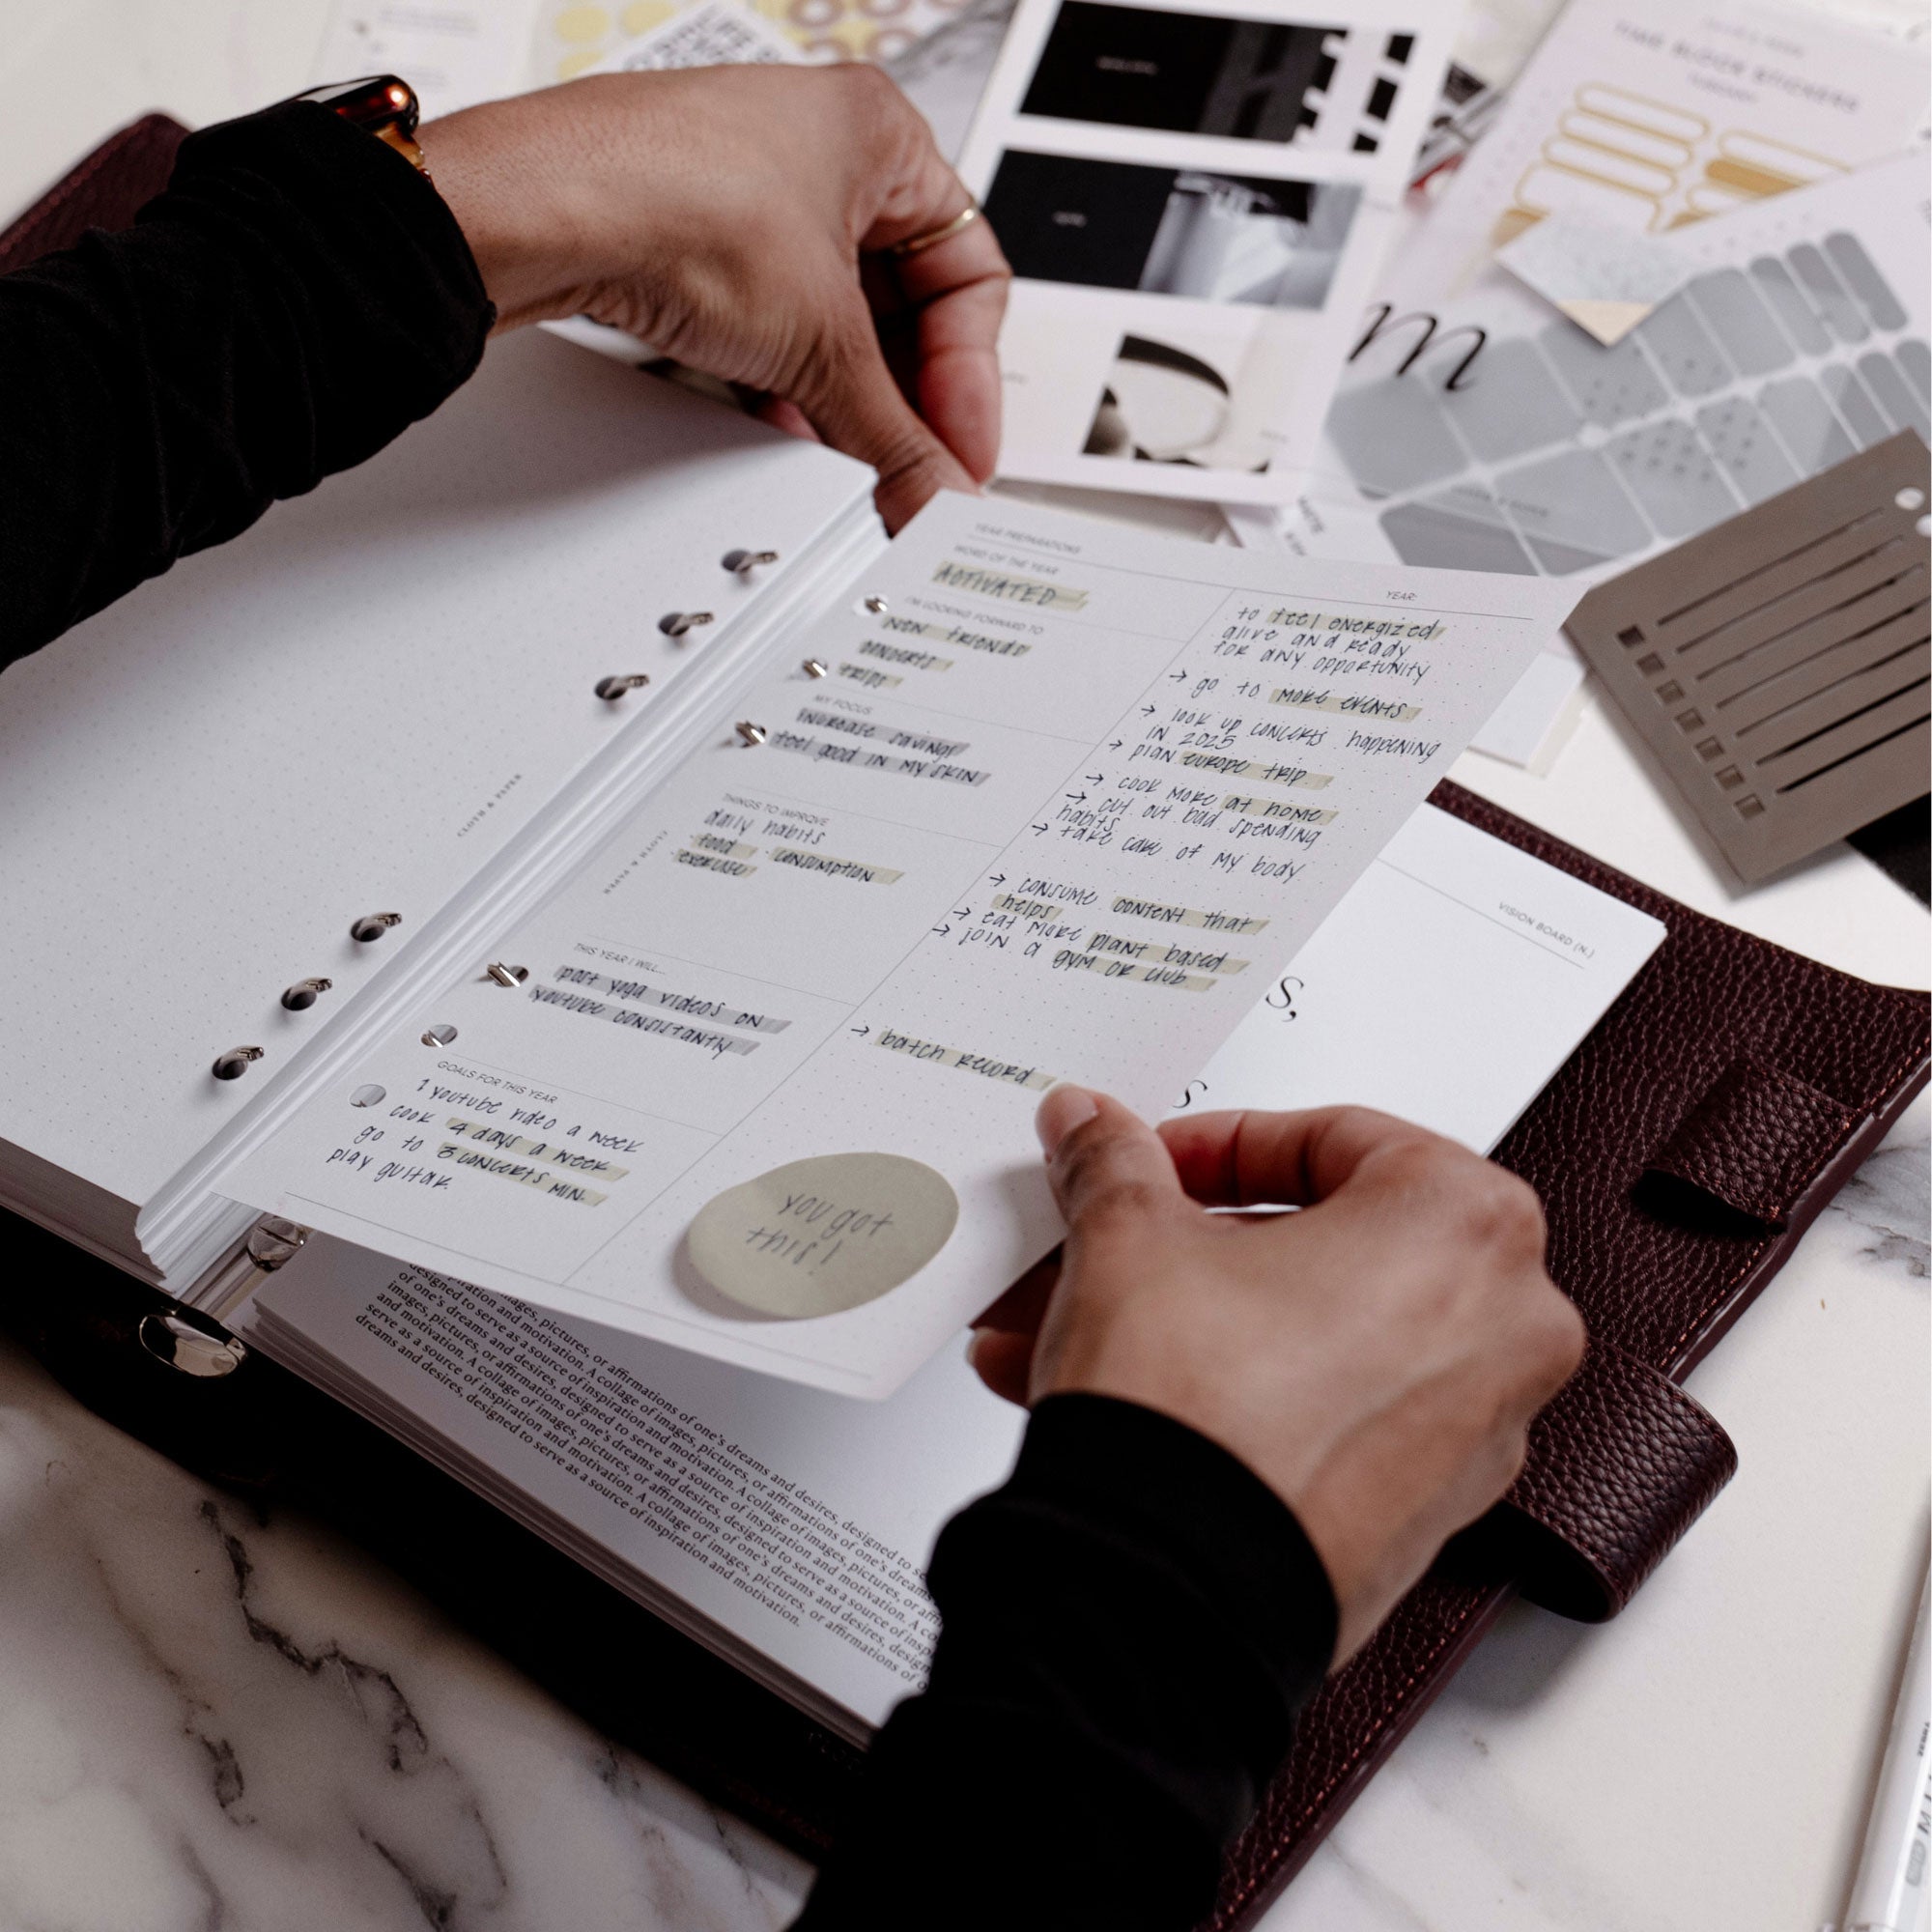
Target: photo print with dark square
[(1160, 404), (1165, 404), (1169, 231), (1188, 73)]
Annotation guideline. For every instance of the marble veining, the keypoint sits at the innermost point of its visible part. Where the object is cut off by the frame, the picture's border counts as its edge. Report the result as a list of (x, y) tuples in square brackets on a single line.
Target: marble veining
[(1889, 1201), (210, 1720)]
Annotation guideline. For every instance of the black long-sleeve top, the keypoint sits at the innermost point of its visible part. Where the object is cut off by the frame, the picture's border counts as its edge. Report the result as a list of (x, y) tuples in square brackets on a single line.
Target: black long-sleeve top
[(1130, 1623), (299, 297)]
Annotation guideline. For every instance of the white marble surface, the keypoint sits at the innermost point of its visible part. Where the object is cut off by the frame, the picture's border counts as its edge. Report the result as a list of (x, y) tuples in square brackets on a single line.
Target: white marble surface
[(208, 1720)]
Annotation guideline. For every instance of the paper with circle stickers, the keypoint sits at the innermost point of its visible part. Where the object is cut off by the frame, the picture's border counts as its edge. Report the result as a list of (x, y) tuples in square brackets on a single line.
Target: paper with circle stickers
[(575, 36)]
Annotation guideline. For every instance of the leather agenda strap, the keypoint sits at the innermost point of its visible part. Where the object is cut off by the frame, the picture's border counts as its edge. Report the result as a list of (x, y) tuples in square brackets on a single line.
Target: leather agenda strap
[(1623, 1460), (1756, 1141), (1621, 1464)]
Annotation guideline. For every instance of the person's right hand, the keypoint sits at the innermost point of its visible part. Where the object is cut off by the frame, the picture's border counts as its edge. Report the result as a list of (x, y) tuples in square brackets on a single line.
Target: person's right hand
[(745, 220), (1374, 1358)]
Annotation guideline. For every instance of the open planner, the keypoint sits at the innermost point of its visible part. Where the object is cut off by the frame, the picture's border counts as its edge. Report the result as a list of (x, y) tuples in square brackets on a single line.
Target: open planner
[(896, 837), (701, 916), (443, 922)]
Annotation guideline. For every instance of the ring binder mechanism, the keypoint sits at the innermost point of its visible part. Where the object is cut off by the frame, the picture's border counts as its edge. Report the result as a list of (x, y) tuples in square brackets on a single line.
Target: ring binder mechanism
[(752, 734), (675, 623), (742, 562), (438, 1035), (304, 993), (430, 771), (877, 606), (505, 976), (269, 1244), (611, 688), (814, 667), (191, 1350)]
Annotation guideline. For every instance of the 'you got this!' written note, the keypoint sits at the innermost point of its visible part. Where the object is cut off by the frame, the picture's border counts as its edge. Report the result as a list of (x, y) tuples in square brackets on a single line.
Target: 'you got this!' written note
[(1035, 799)]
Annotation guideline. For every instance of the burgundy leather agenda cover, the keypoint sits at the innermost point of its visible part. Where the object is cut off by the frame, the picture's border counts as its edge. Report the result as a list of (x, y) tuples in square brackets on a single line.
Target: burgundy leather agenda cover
[(102, 192), (1679, 1154)]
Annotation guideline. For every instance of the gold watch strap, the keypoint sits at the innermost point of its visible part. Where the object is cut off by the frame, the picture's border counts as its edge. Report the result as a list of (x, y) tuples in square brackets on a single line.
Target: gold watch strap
[(383, 105)]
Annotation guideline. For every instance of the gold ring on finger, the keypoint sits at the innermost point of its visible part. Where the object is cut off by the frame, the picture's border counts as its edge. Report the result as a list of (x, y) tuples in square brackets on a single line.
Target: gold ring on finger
[(918, 244)]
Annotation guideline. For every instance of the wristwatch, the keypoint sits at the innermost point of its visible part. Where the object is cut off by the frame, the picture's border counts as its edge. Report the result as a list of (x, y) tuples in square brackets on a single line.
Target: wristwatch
[(384, 104)]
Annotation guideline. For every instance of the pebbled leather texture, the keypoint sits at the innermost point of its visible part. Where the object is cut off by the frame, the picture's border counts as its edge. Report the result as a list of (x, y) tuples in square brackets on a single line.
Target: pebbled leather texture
[(1620, 1466), (1659, 1280), (126, 171), (1756, 1141)]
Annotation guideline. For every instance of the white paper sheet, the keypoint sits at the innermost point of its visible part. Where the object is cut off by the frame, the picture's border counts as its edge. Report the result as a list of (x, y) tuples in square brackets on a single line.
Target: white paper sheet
[(1055, 809), (453, 55), (349, 709), (1605, 279), (1448, 985), (1195, 199), (1639, 114)]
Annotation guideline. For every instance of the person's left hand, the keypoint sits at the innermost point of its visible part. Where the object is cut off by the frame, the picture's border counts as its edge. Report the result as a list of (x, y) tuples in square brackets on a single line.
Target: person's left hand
[(743, 220)]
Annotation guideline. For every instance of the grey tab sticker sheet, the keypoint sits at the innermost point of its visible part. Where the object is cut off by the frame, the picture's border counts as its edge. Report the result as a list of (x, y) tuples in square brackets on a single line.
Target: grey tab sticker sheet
[(1777, 670), (1803, 341), (1493, 433)]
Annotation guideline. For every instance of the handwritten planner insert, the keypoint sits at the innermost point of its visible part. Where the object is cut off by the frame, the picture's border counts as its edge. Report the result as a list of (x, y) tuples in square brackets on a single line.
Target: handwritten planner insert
[(1041, 800)]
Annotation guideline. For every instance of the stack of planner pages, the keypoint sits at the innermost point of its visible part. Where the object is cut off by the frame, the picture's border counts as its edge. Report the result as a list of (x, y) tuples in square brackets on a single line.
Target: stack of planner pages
[(513, 856)]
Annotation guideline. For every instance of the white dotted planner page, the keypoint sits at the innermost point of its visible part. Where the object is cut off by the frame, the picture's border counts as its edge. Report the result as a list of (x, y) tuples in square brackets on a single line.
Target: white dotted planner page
[(344, 713), (1039, 799)]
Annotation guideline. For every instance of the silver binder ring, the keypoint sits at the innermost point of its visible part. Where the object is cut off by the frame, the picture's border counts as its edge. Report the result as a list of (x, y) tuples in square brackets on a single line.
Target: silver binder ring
[(742, 562), (750, 733), (304, 993), (373, 926), (611, 688), (182, 1345), (675, 623), (506, 976), (236, 1062)]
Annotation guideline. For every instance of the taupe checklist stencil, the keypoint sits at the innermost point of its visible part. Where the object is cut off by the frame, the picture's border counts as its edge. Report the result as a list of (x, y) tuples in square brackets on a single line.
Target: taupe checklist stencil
[(1777, 667)]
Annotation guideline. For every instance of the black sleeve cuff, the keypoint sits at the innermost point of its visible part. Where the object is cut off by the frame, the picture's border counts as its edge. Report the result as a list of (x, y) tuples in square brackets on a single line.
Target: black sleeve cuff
[(1166, 1489), (297, 297), (1128, 1626), (358, 260), (1167, 1596)]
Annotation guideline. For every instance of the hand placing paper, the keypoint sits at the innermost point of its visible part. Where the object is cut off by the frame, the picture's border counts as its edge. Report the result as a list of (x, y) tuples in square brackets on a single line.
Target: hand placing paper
[(1039, 800)]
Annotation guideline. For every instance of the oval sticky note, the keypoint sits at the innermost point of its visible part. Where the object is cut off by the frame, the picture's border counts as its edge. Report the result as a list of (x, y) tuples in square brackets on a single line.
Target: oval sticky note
[(828, 1232)]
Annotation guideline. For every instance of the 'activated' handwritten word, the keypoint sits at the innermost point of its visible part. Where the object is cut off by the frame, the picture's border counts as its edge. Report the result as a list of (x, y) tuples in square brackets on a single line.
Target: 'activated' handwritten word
[(1010, 589)]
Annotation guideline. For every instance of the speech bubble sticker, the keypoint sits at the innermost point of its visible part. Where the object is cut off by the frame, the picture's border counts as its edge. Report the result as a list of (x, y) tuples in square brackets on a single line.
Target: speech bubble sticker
[(818, 1236)]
